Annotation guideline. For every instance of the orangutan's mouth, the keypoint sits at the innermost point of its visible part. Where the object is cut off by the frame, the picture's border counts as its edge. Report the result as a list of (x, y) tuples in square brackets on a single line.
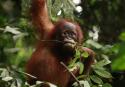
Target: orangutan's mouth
[(69, 43)]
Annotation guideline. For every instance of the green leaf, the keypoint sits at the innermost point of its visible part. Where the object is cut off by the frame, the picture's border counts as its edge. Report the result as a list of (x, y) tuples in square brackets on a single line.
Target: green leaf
[(94, 86), (106, 85), (13, 84), (103, 62), (8, 78), (96, 79), (77, 55), (103, 73), (81, 77), (97, 67), (81, 67), (84, 83), (38, 82), (12, 30), (122, 36), (94, 44), (85, 54), (4, 73), (1, 69), (72, 63), (118, 63)]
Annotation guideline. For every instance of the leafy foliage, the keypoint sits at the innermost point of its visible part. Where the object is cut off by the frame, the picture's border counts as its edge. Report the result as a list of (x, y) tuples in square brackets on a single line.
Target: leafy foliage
[(120, 48), (99, 71)]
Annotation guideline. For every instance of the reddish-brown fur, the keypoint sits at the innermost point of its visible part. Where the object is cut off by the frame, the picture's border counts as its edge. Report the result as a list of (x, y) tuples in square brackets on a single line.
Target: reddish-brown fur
[(45, 61)]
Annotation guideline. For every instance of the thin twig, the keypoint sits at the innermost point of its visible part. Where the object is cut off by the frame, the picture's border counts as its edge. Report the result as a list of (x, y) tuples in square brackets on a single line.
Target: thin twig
[(72, 74), (26, 74), (52, 41)]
